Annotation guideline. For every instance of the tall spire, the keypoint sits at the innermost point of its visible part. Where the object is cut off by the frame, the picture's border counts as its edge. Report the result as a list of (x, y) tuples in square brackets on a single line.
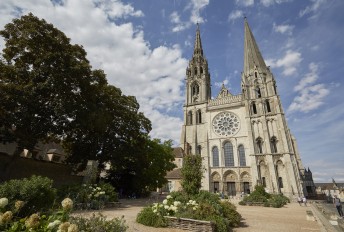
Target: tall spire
[(198, 44), (252, 56)]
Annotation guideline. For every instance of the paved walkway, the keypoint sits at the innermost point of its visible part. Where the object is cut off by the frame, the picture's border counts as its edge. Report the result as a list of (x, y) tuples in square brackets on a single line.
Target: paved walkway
[(290, 218)]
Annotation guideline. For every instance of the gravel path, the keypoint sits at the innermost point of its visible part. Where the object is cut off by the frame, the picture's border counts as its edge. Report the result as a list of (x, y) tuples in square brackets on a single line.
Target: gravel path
[(290, 218)]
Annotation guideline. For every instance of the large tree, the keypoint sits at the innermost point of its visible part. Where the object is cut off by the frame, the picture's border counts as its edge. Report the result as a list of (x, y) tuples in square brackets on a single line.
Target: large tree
[(48, 91), (43, 82), (145, 169)]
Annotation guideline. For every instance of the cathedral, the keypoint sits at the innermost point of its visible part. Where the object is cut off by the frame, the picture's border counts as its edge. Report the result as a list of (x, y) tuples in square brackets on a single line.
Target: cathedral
[(243, 139)]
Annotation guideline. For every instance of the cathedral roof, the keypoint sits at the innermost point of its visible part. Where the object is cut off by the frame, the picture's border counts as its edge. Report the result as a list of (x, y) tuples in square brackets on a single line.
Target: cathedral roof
[(174, 174), (252, 56), (178, 152)]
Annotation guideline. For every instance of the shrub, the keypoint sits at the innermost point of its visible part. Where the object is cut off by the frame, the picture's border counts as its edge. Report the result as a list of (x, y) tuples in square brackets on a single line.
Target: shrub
[(277, 201), (36, 192), (90, 196), (99, 223), (230, 213), (192, 172), (149, 218), (259, 195), (204, 206)]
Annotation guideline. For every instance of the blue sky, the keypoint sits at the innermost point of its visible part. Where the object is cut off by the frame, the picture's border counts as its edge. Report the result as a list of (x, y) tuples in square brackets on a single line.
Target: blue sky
[(144, 47)]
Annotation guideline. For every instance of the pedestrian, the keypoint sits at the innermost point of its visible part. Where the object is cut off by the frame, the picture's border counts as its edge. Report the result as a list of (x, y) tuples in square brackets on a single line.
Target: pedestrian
[(299, 200), (338, 205), (304, 200)]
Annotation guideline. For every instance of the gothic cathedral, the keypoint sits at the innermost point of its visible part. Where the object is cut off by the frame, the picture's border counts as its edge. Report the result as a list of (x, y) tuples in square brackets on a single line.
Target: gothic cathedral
[(244, 139)]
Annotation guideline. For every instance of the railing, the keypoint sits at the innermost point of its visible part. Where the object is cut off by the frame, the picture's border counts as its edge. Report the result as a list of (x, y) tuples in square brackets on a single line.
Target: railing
[(225, 100)]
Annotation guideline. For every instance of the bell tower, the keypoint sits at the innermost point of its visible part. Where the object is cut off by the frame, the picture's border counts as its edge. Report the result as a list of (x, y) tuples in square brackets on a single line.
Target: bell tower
[(274, 151), (197, 75)]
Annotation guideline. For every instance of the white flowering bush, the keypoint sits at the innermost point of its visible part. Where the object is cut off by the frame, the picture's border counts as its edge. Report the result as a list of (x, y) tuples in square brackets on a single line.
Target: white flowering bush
[(55, 221), (91, 196), (202, 206)]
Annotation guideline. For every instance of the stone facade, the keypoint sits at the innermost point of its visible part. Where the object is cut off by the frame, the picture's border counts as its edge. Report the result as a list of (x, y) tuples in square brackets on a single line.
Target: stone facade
[(243, 139)]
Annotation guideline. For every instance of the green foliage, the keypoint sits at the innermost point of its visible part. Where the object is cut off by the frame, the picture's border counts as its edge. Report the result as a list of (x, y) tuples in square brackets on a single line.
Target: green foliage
[(36, 192), (149, 218), (54, 220), (99, 223), (89, 196), (203, 206), (192, 173), (230, 213), (145, 170), (260, 196), (49, 92), (277, 201)]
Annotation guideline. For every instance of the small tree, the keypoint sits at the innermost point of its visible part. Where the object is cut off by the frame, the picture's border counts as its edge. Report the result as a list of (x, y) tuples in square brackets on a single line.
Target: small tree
[(192, 174)]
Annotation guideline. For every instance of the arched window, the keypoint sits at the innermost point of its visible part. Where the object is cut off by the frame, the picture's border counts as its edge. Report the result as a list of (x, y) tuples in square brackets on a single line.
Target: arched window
[(254, 108), (263, 182), (201, 70), (258, 93), (195, 70), (267, 103), (273, 142), (280, 182), (189, 118), (216, 162), (198, 116), (242, 157), (195, 90), (255, 74), (189, 150), (228, 153), (199, 150), (259, 143)]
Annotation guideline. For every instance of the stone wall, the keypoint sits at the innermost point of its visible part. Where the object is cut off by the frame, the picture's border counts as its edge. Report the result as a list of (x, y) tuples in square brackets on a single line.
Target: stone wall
[(20, 167)]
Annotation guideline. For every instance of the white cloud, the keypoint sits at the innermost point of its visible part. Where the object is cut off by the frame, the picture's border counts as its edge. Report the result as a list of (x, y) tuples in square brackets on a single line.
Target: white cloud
[(310, 97), (289, 62), (267, 3), (245, 2), (316, 4), (310, 77), (195, 7), (153, 75), (235, 15), (219, 84), (283, 29)]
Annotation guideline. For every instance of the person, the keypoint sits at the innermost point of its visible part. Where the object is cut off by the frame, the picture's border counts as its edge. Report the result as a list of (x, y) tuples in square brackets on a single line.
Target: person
[(304, 200), (338, 205), (299, 200)]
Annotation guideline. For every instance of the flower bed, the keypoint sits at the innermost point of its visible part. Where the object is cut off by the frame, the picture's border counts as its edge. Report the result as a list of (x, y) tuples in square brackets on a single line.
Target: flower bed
[(190, 224)]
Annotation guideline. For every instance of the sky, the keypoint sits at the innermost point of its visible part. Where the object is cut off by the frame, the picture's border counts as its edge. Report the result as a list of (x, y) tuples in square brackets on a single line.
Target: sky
[(144, 47)]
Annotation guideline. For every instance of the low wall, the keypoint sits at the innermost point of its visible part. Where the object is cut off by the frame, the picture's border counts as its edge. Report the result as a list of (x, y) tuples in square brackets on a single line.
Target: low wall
[(190, 224), (20, 167)]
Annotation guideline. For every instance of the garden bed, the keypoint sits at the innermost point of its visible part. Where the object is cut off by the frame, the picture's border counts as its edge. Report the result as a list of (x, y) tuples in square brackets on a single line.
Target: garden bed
[(190, 224)]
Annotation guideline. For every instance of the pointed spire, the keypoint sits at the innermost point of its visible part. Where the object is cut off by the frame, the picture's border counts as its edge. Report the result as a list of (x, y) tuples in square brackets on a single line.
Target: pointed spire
[(198, 44), (252, 55)]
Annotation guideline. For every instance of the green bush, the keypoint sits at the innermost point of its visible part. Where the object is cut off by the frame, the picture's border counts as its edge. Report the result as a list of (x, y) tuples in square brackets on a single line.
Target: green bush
[(268, 200), (37, 193), (277, 201), (204, 206), (230, 213), (149, 218), (90, 196), (99, 223)]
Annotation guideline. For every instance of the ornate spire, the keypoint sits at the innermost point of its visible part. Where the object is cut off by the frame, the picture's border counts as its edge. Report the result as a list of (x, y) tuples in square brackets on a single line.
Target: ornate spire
[(252, 55), (198, 44)]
